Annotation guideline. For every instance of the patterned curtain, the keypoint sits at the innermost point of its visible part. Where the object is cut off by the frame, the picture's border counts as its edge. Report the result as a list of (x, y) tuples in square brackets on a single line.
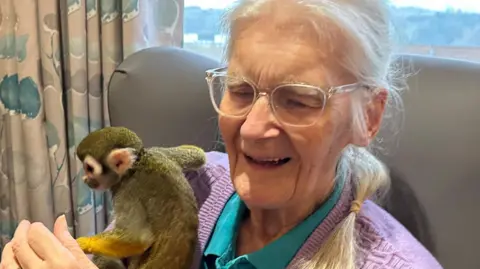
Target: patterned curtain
[(56, 58)]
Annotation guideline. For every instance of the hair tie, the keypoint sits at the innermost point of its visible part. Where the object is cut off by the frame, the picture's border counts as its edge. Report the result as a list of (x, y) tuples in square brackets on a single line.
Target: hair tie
[(356, 206)]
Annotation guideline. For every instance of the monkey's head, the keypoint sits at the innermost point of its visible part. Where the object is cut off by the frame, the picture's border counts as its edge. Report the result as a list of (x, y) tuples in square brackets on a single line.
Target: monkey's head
[(107, 154)]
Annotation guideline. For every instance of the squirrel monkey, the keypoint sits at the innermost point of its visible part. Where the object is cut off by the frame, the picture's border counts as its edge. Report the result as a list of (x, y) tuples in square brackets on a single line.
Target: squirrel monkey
[(155, 208)]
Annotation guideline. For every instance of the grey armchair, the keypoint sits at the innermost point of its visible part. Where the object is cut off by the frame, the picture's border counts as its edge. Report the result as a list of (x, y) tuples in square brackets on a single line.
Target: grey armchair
[(436, 158), (161, 94)]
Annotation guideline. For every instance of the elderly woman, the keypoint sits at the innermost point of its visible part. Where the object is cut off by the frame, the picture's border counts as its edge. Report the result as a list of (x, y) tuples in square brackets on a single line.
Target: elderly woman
[(302, 98)]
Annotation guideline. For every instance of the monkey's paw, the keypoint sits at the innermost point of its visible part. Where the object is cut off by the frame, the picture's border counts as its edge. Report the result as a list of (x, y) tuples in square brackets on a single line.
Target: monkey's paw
[(85, 244)]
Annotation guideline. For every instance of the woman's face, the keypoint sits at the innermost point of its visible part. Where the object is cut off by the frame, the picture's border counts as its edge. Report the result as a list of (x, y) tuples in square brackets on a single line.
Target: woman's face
[(310, 153)]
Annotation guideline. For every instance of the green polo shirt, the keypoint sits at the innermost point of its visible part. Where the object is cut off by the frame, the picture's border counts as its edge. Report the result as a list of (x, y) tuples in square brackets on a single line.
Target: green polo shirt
[(220, 250)]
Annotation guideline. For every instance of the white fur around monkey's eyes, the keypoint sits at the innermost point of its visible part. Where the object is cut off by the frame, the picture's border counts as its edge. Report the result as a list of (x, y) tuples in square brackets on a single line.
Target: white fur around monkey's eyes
[(92, 166), (120, 160)]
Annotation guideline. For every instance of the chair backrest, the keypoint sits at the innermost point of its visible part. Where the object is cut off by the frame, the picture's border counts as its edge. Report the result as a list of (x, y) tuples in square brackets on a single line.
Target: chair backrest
[(161, 94), (437, 155), (403, 203)]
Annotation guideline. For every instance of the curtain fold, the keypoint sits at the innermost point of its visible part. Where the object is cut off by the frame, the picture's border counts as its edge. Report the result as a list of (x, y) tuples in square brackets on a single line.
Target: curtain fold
[(56, 58)]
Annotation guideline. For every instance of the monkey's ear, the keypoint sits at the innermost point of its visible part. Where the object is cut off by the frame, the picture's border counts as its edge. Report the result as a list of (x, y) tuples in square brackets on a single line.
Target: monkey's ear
[(120, 160)]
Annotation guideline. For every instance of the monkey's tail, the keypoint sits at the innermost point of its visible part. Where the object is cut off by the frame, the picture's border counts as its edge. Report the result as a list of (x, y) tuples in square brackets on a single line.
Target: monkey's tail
[(189, 157)]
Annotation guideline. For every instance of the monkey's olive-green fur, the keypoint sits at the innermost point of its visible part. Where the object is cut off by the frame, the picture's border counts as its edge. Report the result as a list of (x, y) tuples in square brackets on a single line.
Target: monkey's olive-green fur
[(100, 142), (154, 204)]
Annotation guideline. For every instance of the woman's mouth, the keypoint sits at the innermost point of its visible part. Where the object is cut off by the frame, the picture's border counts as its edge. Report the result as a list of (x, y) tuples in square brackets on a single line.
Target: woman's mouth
[(267, 162)]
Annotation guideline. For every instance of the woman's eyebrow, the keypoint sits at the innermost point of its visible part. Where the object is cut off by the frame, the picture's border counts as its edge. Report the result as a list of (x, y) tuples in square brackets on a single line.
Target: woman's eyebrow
[(294, 80), (289, 79), (235, 82)]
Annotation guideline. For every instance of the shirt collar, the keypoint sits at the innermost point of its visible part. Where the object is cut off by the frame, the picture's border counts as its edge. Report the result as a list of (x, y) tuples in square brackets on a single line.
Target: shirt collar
[(281, 251), (284, 248), (226, 227)]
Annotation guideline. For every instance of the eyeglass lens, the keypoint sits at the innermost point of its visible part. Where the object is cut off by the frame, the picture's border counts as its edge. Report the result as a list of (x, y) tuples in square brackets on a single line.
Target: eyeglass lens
[(294, 104)]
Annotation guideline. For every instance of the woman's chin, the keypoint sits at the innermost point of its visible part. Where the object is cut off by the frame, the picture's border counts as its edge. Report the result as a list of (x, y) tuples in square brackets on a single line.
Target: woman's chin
[(263, 186), (265, 193)]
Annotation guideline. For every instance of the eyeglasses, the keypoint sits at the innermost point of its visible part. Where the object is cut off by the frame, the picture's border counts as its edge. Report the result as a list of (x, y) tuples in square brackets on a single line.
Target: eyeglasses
[(292, 104)]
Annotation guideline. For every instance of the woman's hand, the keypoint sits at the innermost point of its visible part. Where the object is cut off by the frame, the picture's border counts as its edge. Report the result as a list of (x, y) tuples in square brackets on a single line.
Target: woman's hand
[(34, 247)]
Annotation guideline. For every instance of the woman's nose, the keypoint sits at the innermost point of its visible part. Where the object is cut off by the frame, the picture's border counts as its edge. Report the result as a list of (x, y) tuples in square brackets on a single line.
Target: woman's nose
[(260, 121)]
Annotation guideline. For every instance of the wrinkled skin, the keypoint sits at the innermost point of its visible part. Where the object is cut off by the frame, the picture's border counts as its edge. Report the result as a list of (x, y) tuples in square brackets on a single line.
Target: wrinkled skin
[(274, 49)]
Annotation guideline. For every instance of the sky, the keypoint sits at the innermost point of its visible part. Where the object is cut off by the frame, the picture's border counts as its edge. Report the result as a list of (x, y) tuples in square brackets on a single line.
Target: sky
[(466, 5)]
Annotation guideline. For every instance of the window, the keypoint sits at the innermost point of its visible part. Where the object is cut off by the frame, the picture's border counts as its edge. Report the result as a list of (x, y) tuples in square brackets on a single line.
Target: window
[(442, 28)]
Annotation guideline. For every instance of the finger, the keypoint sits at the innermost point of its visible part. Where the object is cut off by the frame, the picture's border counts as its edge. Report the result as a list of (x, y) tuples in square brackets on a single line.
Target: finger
[(21, 231), (26, 257), (61, 227), (8, 258), (60, 230), (44, 243)]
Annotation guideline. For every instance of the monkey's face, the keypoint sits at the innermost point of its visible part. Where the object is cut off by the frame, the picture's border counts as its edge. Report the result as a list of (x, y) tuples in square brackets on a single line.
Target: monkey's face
[(105, 173)]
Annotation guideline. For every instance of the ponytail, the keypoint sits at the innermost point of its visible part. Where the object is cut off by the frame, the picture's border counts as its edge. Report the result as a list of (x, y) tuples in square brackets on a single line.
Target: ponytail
[(369, 176)]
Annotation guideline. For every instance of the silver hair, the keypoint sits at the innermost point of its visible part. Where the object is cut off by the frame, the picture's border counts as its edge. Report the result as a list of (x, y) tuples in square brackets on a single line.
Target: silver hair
[(365, 26)]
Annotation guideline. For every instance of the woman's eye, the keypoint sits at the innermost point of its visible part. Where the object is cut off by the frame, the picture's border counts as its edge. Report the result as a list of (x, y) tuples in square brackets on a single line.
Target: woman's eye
[(241, 92), (295, 103), (246, 91)]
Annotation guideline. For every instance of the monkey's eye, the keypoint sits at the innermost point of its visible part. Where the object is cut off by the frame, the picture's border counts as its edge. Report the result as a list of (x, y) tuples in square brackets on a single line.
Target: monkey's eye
[(88, 168), (92, 166)]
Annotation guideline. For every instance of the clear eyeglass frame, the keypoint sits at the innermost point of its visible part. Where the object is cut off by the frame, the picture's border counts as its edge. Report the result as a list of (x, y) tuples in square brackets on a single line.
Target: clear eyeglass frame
[(211, 74)]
